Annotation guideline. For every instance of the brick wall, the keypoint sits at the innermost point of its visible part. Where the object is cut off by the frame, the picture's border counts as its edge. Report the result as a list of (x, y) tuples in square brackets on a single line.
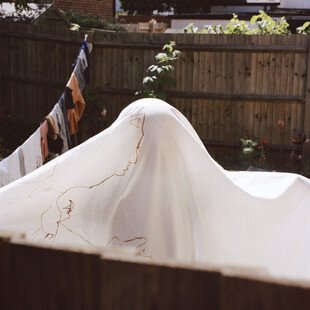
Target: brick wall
[(103, 8)]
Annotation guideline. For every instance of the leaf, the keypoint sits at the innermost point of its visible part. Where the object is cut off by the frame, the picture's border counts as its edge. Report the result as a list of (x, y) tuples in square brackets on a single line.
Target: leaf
[(167, 68), (159, 77), (304, 29), (147, 79), (160, 56), (138, 93), (176, 53), (168, 48), (152, 68), (248, 150), (254, 18)]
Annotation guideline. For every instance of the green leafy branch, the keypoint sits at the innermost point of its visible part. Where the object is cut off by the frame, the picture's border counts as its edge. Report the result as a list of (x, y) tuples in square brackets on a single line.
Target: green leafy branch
[(236, 26), (159, 78), (304, 29), (267, 25)]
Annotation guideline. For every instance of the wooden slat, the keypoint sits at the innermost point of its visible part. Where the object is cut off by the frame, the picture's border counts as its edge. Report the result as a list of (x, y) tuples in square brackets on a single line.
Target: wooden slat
[(38, 278), (265, 90), (271, 89), (231, 84), (212, 48), (306, 126)]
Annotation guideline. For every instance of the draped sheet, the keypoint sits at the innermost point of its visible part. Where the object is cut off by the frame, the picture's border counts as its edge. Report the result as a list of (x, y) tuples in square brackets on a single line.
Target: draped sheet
[(23, 160), (147, 182)]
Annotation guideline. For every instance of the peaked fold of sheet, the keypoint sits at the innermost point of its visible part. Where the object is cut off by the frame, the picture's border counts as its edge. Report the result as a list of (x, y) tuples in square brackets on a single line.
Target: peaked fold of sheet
[(147, 182)]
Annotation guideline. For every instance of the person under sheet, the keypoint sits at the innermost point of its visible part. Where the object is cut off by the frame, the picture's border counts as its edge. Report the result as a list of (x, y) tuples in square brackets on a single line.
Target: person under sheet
[(148, 182)]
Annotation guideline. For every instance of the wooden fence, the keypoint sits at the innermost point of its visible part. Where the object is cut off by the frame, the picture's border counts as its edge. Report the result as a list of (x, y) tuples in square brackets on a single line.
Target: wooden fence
[(36, 278), (228, 86)]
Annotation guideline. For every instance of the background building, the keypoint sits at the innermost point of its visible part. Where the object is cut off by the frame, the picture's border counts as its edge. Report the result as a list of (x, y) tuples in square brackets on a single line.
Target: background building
[(102, 8)]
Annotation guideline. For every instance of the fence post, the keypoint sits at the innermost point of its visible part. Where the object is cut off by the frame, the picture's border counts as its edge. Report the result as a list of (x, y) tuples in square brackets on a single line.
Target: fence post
[(306, 147), (4, 270), (33, 277)]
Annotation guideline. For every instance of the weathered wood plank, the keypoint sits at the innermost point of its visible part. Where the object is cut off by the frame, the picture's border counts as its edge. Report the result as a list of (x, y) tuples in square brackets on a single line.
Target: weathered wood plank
[(306, 126), (251, 81), (36, 278)]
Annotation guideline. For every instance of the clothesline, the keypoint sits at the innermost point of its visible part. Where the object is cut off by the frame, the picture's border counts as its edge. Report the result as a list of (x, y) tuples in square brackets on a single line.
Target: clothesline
[(57, 132)]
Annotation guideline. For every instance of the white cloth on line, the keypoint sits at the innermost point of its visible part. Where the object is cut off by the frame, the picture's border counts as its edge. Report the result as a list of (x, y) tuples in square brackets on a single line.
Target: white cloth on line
[(23, 160), (58, 116), (148, 182)]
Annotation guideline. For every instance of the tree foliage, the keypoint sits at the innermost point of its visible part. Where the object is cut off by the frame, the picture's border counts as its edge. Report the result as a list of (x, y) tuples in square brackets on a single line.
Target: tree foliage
[(84, 21), (159, 77), (21, 3)]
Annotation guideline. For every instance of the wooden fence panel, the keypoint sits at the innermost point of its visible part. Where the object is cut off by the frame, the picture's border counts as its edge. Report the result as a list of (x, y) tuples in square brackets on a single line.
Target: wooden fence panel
[(33, 277), (228, 86), (306, 118), (39, 278), (243, 293)]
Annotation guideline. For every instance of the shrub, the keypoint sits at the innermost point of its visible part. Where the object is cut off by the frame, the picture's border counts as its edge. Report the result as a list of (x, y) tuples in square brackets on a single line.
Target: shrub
[(190, 28), (236, 26), (89, 21), (265, 25), (159, 76), (212, 29)]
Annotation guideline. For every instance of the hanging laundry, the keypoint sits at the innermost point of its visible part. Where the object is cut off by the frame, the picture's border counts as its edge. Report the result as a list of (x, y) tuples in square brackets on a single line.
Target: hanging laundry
[(55, 142), (64, 109), (44, 143), (32, 152), (53, 128), (79, 78), (55, 132), (75, 114), (68, 98), (21, 158), (55, 145), (9, 169), (82, 66), (25, 159), (58, 118), (87, 69)]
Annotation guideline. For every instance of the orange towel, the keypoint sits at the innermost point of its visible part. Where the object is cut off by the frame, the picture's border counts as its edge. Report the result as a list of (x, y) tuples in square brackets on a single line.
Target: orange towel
[(74, 115)]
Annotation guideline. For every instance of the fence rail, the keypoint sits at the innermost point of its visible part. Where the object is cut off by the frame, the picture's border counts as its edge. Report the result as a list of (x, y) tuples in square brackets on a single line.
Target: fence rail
[(228, 86), (33, 277)]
